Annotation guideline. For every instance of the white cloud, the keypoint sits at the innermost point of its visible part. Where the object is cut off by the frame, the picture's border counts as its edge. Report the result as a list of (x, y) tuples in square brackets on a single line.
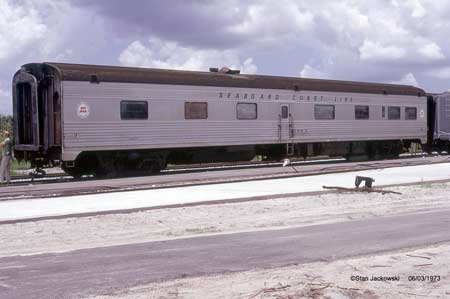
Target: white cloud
[(395, 41), (271, 20), (431, 51), (383, 33), (407, 79), (136, 54), (65, 55), (415, 7), (310, 72), (20, 27), (73, 34), (170, 55), (440, 73), (344, 17), (375, 51), (5, 99), (418, 11), (248, 67)]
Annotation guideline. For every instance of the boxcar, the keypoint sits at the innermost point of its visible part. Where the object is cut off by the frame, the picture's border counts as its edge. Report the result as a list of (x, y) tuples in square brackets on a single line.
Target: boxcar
[(106, 119), (439, 121)]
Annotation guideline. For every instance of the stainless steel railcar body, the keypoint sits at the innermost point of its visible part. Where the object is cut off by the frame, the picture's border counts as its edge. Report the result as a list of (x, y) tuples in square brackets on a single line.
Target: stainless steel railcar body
[(65, 111)]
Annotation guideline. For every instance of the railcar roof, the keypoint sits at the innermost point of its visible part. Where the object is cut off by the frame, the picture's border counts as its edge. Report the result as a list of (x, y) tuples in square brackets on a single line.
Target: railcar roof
[(81, 72)]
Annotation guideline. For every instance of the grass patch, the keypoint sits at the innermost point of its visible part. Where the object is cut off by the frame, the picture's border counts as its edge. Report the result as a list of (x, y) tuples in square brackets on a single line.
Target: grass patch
[(192, 231), (19, 165), (433, 185)]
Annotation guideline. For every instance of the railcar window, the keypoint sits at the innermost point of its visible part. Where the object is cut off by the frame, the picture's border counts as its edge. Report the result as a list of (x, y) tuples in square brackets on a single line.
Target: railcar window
[(133, 110), (324, 111), (410, 113), (361, 112), (284, 112), (195, 110), (246, 111), (383, 111), (393, 112)]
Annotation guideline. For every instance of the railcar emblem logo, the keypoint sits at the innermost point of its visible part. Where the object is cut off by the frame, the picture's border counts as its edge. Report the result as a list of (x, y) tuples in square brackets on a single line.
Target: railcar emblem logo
[(83, 110), (422, 113)]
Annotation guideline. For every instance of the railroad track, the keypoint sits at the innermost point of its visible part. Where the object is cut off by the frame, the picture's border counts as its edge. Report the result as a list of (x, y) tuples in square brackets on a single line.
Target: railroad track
[(188, 168), (46, 177), (203, 177), (192, 168)]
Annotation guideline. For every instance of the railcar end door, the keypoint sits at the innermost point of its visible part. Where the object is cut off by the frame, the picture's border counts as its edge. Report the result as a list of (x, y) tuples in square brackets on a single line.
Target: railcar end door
[(26, 111)]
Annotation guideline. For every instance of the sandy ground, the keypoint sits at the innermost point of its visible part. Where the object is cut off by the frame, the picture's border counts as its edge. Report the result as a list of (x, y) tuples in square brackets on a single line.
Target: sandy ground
[(100, 231), (429, 265)]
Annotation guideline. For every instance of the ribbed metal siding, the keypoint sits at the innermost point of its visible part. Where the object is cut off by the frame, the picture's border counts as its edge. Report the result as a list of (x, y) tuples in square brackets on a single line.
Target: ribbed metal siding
[(442, 131), (166, 127)]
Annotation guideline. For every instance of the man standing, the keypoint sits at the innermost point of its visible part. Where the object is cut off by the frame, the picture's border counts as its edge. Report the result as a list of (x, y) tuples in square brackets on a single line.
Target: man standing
[(6, 146)]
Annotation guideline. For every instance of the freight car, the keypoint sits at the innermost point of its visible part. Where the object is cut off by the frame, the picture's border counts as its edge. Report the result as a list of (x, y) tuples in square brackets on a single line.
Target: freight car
[(438, 122), (106, 120)]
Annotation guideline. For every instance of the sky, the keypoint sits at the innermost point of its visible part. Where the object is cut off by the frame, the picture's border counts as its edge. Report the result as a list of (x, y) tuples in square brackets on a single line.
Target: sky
[(388, 41)]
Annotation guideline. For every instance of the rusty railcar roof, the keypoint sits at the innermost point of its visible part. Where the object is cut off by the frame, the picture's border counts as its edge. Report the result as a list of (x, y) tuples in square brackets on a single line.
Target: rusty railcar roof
[(81, 72)]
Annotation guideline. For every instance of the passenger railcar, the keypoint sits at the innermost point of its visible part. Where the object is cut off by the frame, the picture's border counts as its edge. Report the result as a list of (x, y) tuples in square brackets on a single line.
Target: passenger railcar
[(106, 120)]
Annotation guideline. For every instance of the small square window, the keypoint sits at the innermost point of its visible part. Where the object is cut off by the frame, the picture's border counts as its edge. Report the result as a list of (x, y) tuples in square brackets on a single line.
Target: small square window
[(195, 110), (361, 112), (324, 111), (246, 111), (410, 113), (133, 110), (393, 112)]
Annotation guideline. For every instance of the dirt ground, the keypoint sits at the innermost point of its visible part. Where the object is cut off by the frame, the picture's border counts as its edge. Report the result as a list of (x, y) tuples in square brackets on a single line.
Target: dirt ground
[(421, 273), (314, 280), (108, 230)]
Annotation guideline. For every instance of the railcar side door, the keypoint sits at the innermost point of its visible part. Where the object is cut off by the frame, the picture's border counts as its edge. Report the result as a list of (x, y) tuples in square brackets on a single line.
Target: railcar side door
[(285, 124)]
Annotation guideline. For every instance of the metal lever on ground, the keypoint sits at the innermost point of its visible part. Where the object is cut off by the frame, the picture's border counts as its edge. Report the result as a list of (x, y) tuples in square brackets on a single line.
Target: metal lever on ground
[(367, 181), (367, 190)]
